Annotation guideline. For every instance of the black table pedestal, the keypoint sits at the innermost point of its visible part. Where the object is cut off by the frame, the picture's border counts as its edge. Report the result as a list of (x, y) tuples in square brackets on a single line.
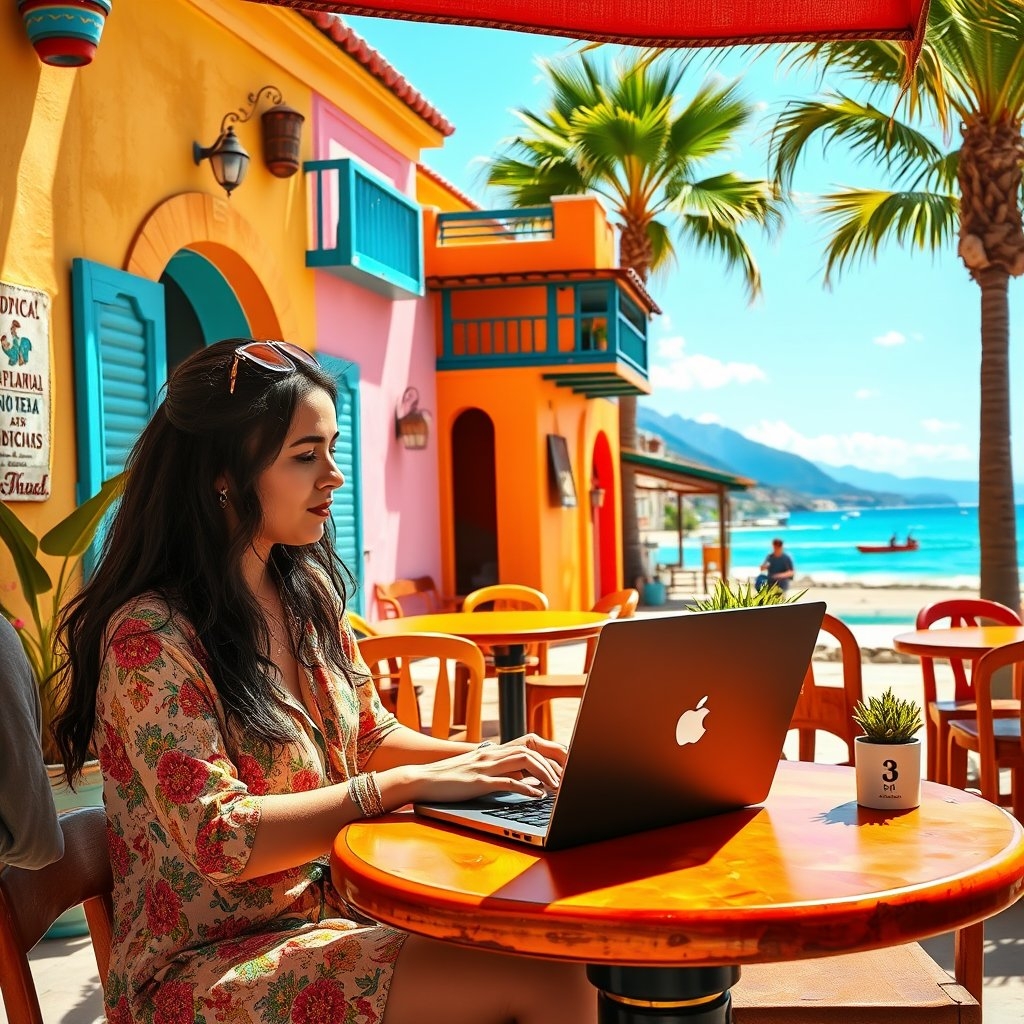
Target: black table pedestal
[(667, 995), (510, 668)]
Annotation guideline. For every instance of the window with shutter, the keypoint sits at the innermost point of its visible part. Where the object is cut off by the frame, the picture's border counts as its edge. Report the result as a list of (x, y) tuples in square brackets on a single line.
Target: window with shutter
[(120, 353), (346, 507)]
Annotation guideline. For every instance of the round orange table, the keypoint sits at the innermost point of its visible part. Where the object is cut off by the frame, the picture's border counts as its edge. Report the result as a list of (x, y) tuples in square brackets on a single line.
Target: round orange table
[(666, 917), (957, 642), (508, 633)]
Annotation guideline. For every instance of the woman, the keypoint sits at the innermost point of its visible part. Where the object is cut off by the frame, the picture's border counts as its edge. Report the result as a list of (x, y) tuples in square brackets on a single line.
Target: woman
[(213, 671)]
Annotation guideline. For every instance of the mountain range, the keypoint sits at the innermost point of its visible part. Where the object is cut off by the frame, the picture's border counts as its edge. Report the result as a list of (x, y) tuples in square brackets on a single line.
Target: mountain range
[(791, 479)]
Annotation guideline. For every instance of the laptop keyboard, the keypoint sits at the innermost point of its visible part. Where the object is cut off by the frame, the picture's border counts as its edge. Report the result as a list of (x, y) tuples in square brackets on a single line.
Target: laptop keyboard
[(532, 812)]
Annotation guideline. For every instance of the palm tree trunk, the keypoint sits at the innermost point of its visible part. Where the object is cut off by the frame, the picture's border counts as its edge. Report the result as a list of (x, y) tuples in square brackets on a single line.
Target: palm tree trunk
[(997, 518), (634, 569)]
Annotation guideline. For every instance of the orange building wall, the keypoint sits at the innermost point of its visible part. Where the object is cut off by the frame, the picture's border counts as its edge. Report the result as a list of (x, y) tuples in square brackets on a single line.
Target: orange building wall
[(539, 543)]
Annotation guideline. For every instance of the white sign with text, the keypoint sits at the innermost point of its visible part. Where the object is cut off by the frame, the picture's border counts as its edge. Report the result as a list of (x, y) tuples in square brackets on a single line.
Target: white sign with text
[(24, 393)]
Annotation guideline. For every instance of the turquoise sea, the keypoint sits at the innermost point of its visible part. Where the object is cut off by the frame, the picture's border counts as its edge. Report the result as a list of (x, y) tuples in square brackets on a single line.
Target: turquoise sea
[(823, 546)]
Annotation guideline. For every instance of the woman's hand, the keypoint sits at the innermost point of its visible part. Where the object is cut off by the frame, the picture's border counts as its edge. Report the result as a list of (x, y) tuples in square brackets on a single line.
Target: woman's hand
[(530, 765)]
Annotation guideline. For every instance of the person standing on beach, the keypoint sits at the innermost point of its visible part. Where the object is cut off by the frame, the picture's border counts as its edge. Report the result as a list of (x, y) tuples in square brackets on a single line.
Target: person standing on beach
[(776, 568)]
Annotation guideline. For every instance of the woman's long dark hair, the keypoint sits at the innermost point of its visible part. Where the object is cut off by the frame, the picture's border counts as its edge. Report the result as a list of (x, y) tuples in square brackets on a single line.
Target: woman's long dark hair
[(169, 536)]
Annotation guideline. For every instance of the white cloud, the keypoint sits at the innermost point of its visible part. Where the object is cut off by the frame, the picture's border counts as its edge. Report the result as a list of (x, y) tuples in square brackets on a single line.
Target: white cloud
[(934, 426), (861, 448), (863, 393), (708, 417), (675, 370), (891, 338)]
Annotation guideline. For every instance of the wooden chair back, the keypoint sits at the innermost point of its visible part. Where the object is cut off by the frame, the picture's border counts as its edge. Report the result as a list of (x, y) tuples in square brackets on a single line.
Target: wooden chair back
[(830, 708), (505, 597), (417, 596), (31, 901), (1000, 741), (390, 659), (959, 611)]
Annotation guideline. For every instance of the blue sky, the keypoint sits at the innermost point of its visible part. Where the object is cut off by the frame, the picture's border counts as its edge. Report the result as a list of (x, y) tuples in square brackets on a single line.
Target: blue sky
[(880, 372)]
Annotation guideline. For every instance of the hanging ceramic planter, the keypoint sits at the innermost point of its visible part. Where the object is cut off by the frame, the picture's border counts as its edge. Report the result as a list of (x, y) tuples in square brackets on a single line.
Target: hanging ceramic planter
[(64, 33)]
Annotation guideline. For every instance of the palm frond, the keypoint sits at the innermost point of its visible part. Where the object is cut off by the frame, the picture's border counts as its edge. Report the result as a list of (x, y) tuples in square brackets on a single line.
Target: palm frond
[(704, 233), (708, 124), (860, 221), (870, 133)]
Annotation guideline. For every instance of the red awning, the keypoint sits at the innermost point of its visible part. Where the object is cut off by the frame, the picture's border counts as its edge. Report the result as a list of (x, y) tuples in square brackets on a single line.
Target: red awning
[(662, 22)]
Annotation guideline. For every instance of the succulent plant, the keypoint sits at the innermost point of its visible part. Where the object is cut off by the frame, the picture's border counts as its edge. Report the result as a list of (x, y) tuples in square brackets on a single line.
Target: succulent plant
[(888, 719), (742, 595)]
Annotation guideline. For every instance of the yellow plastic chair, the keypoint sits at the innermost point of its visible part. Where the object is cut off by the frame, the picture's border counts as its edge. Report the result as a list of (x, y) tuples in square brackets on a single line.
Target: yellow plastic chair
[(511, 597), (389, 659), (359, 625), (542, 689)]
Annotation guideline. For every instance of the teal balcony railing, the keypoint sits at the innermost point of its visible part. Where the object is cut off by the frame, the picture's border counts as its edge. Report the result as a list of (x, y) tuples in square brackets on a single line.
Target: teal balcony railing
[(595, 352), (364, 230), (530, 224)]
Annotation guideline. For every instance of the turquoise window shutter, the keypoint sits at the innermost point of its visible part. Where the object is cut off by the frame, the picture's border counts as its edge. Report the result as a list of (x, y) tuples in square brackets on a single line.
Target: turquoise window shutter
[(120, 353), (346, 507)]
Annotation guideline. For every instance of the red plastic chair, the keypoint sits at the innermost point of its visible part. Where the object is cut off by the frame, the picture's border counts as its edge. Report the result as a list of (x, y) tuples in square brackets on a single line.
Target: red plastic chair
[(959, 611)]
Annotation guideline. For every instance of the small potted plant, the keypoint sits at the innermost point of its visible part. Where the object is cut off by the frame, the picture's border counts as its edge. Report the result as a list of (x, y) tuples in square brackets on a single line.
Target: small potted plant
[(888, 755), (741, 595)]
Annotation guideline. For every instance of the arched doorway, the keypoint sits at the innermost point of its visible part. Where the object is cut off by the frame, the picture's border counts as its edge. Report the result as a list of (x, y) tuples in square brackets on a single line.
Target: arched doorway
[(603, 503), (200, 306), (474, 501)]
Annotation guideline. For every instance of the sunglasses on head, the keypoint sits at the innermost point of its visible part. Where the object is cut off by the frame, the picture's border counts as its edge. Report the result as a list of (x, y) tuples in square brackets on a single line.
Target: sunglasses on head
[(279, 356)]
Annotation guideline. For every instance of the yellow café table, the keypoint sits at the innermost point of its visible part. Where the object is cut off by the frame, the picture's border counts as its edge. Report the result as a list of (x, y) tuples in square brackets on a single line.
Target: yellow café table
[(665, 919), (508, 633)]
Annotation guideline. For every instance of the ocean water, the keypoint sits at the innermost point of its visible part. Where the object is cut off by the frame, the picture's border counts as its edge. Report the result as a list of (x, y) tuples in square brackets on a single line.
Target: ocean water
[(823, 546)]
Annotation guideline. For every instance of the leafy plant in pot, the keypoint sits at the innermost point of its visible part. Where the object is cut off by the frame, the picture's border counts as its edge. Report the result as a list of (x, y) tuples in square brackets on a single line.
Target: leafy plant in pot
[(742, 595), (69, 540), (888, 755)]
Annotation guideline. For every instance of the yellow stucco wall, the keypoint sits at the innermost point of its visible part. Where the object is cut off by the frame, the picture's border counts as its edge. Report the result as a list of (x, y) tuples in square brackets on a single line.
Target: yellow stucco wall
[(97, 163)]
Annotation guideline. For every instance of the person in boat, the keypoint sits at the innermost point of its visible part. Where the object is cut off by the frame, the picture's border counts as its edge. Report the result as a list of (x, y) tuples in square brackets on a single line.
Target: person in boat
[(892, 541), (776, 568)]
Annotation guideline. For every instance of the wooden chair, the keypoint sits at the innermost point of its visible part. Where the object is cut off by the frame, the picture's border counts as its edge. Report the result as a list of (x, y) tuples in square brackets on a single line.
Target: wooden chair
[(997, 741), (511, 597), (417, 596), (830, 708), (390, 658), (542, 689), (960, 611), (896, 985), (30, 902)]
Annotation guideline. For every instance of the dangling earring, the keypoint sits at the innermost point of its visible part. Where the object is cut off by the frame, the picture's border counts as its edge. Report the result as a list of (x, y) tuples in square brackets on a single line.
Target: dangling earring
[(222, 497)]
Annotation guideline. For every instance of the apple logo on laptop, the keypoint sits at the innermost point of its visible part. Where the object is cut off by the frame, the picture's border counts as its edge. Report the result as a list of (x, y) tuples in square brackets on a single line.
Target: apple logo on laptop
[(690, 727)]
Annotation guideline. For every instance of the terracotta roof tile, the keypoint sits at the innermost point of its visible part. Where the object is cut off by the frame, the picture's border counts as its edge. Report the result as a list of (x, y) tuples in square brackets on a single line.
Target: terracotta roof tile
[(429, 172), (359, 50)]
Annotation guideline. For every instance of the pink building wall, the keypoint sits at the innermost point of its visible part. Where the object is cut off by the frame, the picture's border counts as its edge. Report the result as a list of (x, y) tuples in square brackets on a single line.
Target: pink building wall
[(392, 343)]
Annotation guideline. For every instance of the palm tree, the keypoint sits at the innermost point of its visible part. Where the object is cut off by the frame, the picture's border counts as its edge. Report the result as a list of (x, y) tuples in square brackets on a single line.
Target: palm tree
[(970, 77), (625, 135)]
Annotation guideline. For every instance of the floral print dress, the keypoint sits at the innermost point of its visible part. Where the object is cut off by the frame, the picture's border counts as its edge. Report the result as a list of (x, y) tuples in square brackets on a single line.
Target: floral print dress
[(191, 944)]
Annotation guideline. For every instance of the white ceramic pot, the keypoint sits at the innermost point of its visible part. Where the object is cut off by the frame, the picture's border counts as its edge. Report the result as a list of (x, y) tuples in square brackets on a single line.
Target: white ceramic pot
[(888, 774)]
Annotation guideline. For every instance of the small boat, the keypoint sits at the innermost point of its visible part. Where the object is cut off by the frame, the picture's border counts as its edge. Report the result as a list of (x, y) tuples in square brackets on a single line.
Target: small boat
[(910, 544)]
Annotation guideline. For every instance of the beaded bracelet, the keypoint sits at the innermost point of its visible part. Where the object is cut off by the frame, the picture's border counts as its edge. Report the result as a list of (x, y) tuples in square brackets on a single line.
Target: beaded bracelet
[(366, 794)]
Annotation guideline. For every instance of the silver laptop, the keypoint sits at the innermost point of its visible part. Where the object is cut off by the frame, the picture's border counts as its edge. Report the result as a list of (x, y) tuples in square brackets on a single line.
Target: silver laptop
[(683, 716)]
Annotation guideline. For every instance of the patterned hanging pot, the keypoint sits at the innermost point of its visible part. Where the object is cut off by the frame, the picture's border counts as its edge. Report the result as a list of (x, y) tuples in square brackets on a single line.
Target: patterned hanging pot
[(65, 33)]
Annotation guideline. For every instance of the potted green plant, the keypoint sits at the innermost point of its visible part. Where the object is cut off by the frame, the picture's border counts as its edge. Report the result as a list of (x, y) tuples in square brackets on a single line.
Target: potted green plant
[(741, 595), (888, 755), (69, 540)]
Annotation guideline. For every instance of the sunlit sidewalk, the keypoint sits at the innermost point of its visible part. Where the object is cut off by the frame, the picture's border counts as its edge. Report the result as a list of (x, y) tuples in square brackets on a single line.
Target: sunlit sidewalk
[(69, 987)]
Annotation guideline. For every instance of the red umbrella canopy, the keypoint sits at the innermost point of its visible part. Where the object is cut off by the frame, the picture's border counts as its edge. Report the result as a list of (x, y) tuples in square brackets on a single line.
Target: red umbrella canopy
[(662, 22)]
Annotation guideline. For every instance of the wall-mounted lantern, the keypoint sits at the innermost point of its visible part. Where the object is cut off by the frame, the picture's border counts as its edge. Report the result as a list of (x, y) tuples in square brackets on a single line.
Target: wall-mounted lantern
[(596, 495), (412, 424), (282, 138)]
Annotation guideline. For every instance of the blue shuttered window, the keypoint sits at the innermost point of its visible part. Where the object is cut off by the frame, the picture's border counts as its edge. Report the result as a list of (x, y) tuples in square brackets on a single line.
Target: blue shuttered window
[(120, 353), (346, 508)]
